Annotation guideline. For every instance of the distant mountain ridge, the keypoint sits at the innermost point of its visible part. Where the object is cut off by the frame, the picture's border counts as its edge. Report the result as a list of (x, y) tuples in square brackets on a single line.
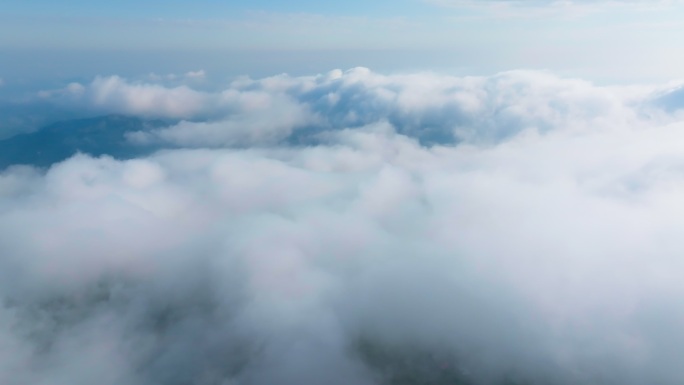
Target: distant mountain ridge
[(104, 135)]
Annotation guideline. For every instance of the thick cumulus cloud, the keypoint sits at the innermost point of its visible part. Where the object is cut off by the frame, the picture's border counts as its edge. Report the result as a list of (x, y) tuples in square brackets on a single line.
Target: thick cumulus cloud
[(540, 245)]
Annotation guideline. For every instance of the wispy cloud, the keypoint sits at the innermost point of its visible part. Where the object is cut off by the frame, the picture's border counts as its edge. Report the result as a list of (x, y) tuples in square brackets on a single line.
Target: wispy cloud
[(564, 8), (199, 74)]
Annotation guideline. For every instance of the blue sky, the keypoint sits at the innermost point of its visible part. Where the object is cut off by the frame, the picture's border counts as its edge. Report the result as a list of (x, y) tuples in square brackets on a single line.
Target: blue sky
[(210, 8), (606, 41)]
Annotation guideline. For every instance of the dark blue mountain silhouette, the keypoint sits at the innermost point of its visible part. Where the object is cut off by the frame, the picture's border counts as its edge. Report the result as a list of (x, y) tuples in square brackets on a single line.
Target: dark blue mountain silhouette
[(93, 136)]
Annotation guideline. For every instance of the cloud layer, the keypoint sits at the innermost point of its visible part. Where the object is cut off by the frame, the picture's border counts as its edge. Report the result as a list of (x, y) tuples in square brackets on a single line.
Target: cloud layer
[(355, 228), (430, 107)]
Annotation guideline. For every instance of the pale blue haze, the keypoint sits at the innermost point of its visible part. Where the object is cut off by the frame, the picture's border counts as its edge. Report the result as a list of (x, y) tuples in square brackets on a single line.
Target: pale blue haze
[(604, 41)]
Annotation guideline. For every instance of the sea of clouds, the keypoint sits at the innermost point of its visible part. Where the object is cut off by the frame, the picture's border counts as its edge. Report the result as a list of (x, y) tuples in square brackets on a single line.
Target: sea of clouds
[(519, 227)]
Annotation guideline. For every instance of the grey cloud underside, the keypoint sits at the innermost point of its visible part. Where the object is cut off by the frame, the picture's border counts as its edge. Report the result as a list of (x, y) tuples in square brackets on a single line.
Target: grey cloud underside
[(303, 231)]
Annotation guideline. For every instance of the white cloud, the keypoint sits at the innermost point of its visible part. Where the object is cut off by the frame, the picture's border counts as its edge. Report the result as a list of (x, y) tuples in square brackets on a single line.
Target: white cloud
[(114, 94), (545, 247), (263, 119), (199, 74), (431, 107)]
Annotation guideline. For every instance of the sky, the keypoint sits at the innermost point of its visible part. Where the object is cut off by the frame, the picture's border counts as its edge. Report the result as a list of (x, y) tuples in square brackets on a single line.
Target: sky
[(606, 41), (435, 192)]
